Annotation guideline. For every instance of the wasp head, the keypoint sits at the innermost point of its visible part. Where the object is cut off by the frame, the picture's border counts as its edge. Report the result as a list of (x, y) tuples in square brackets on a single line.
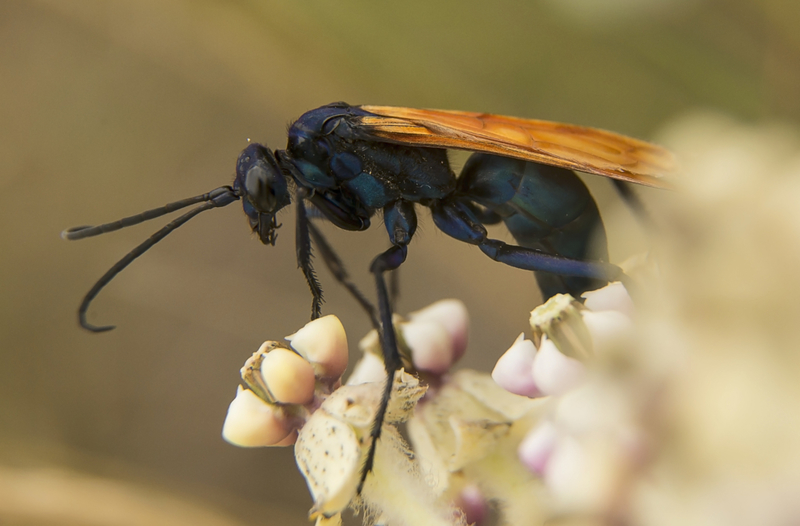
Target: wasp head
[(262, 186)]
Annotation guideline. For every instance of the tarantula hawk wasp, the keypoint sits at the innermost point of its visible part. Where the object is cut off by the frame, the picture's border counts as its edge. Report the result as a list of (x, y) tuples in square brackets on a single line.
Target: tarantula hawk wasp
[(349, 162)]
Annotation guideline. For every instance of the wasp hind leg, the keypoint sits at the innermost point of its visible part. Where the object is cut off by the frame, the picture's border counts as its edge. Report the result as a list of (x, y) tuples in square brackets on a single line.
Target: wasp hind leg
[(532, 259), (455, 218)]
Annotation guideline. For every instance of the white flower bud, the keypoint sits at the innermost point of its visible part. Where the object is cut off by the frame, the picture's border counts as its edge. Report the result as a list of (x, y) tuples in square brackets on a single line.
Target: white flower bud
[(251, 422), (370, 343), (513, 371), (453, 316), (322, 342), (553, 372), (431, 345), (288, 377), (613, 296), (369, 368)]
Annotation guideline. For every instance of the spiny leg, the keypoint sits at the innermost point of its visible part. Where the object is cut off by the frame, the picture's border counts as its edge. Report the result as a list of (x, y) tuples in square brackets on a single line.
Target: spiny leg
[(336, 267), (303, 248)]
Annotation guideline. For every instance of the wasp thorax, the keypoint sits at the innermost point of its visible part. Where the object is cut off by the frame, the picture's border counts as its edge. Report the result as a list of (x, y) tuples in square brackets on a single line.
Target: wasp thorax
[(263, 188)]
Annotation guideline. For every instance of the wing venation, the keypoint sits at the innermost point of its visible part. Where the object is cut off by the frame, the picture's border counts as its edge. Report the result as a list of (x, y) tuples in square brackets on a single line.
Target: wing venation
[(568, 146)]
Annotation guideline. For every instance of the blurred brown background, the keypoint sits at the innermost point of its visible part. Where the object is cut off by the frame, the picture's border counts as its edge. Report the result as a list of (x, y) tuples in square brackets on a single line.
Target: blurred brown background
[(111, 108)]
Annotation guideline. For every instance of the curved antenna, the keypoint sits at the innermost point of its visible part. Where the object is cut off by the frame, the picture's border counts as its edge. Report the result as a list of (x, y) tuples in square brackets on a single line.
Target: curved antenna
[(218, 198), (80, 232)]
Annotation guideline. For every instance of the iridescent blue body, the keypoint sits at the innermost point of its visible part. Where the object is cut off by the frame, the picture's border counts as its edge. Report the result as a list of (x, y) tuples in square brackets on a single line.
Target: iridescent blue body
[(331, 153), (348, 175), (545, 208)]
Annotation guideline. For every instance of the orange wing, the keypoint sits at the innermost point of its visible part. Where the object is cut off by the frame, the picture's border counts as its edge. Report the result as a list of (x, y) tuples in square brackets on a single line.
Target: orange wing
[(565, 145)]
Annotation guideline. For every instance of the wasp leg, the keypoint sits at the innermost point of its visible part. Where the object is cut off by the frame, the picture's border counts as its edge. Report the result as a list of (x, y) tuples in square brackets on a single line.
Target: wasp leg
[(389, 260), (483, 214), (303, 248), (336, 267), (401, 223), (532, 259), (455, 218), (394, 288)]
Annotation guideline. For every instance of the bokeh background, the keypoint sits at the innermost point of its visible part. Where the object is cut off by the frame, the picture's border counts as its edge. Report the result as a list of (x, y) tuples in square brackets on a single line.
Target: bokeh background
[(111, 108)]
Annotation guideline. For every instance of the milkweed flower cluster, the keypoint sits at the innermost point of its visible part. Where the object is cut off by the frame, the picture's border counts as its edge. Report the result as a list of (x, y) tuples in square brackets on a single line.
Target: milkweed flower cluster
[(588, 438), (568, 334), (690, 418), (293, 394), (283, 384), (430, 341), (465, 429)]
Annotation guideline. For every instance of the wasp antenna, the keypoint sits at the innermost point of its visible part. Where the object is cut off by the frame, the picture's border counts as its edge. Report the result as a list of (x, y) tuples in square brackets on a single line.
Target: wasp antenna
[(218, 198), (80, 232)]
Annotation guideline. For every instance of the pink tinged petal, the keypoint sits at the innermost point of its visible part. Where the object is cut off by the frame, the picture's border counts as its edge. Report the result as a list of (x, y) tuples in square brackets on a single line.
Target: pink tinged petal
[(537, 447), (513, 371), (430, 344), (554, 373), (613, 296), (322, 342), (453, 316), (369, 369), (251, 422), (472, 502), (288, 376), (609, 330)]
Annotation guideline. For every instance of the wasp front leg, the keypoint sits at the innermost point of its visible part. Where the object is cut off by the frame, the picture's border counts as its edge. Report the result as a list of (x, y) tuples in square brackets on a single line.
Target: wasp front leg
[(334, 207), (303, 248)]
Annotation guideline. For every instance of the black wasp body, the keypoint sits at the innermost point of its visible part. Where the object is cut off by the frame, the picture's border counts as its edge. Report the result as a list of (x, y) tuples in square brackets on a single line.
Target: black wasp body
[(350, 162), (347, 175)]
